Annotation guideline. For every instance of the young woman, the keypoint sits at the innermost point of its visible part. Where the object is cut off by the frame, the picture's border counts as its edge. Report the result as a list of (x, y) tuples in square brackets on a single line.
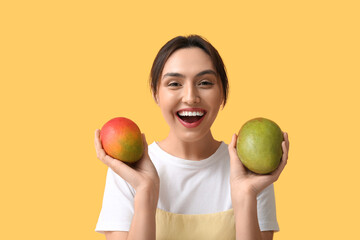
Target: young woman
[(189, 185)]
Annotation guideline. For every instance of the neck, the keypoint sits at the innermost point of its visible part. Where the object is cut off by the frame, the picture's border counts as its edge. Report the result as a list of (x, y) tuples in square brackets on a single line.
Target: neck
[(191, 150)]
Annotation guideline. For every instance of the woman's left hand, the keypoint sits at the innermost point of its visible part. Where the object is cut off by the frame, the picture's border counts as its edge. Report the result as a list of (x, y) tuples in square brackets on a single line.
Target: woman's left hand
[(244, 181)]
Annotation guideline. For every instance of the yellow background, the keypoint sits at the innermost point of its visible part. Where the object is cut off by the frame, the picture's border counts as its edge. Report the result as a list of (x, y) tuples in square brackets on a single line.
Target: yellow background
[(67, 67)]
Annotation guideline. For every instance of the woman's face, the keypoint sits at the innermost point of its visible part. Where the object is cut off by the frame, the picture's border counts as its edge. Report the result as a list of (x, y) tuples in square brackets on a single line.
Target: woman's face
[(189, 94)]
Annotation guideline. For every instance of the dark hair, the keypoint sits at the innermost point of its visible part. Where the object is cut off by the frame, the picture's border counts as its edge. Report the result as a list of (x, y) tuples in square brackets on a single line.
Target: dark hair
[(187, 42)]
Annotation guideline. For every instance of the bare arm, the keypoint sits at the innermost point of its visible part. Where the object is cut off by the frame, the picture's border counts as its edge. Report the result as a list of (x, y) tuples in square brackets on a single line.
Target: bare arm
[(144, 179), (247, 224), (245, 186), (116, 235), (267, 235), (143, 222)]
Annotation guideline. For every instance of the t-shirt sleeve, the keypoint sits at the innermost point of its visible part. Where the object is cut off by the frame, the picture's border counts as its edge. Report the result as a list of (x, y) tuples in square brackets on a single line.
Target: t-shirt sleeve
[(118, 204), (266, 210)]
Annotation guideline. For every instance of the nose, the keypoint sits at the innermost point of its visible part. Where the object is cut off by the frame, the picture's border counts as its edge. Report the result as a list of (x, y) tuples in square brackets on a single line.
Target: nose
[(190, 95)]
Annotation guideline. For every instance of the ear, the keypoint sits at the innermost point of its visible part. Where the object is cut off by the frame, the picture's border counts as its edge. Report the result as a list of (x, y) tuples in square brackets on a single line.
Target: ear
[(222, 100), (155, 97), (222, 104)]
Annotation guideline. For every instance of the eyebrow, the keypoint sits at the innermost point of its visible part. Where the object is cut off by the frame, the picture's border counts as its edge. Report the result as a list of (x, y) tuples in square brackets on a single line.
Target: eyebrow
[(173, 74)]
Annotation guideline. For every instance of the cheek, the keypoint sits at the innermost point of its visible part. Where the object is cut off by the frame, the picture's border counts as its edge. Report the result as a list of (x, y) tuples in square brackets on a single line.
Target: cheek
[(167, 97), (166, 101), (214, 98)]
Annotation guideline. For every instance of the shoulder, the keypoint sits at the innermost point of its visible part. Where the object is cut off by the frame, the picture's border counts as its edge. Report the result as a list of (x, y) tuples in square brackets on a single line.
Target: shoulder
[(221, 156), (223, 151)]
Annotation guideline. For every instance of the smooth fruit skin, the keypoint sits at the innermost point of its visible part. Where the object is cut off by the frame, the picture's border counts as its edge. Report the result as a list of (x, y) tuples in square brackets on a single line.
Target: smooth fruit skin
[(259, 145), (121, 139)]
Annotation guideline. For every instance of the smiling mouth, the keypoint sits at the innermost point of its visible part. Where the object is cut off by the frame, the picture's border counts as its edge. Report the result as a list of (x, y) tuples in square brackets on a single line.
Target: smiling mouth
[(191, 116)]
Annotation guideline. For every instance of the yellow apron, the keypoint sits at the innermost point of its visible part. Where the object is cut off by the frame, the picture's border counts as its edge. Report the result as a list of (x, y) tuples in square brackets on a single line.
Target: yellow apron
[(172, 226)]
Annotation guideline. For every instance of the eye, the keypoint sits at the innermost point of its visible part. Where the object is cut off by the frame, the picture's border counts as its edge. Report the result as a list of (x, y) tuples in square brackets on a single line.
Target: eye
[(174, 84), (206, 83)]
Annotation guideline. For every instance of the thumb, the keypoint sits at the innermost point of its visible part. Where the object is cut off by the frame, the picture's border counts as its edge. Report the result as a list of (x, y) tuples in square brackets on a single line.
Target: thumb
[(235, 163), (144, 142), (234, 159), (146, 153), (232, 149)]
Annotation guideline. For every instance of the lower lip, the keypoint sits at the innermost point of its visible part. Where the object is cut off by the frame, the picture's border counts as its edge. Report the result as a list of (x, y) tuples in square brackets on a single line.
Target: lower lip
[(190, 125)]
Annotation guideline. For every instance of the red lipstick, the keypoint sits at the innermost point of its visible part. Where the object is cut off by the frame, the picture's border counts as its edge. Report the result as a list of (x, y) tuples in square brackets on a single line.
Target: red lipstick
[(191, 117)]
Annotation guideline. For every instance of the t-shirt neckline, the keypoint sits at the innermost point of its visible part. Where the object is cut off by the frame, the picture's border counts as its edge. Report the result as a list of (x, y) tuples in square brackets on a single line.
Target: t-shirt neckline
[(170, 159)]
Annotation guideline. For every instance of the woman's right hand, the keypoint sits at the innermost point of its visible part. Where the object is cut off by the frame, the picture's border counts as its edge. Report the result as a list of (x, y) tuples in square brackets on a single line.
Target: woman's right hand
[(142, 175)]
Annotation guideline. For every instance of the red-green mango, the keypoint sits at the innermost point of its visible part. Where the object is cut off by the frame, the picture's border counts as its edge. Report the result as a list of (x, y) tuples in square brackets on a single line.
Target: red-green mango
[(259, 145), (121, 139)]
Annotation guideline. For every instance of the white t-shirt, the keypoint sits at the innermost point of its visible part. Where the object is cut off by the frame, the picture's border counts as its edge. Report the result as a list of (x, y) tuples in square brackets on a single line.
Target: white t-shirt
[(186, 187)]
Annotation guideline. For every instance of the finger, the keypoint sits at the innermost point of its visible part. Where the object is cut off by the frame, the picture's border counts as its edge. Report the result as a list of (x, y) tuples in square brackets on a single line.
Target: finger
[(98, 146), (121, 168), (101, 152), (145, 149), (232, 147), (286, 138), (277, 172), (97, 138), (235, 163), (145, 157), (285, 150), (145, 144)]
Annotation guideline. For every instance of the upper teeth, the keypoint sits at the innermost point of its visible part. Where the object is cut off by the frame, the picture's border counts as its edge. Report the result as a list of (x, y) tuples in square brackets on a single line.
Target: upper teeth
[(188, 113)]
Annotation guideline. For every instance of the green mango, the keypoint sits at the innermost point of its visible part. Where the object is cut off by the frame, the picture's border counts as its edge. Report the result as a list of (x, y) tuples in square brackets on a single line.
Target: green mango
[(259, 145)]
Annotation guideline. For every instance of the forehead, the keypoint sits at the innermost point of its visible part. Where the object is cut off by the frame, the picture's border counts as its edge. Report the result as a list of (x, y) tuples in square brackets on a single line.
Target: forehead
[(188, 61)]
